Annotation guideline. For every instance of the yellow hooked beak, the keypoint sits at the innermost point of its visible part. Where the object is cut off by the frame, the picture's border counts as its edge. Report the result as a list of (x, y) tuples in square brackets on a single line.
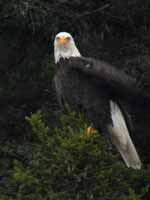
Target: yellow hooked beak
[(62, 40)]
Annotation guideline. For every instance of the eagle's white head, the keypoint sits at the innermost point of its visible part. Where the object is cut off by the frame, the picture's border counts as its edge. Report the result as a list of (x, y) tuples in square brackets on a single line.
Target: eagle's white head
[(64, 46)]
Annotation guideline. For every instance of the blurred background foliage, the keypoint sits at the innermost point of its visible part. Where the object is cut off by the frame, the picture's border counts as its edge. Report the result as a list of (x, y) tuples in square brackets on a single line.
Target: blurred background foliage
[(45, 156)]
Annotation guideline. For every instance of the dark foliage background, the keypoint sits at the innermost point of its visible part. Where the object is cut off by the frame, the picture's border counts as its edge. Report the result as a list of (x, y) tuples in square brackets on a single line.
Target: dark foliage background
[(114, 30)]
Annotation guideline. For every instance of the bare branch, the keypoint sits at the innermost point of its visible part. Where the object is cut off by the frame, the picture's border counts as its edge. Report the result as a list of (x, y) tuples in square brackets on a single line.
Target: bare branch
[(94, 11)]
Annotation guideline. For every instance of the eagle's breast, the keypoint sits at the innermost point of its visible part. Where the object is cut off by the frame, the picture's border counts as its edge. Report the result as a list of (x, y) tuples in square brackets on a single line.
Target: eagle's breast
[(79, 92)]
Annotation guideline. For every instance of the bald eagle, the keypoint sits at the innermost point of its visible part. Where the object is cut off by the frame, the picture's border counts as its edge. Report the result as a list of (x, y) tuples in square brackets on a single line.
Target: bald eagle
[(100, 107)]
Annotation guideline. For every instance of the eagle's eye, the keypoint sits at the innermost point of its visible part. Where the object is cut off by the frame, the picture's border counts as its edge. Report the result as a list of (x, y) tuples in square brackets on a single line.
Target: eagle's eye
[(68, 38)]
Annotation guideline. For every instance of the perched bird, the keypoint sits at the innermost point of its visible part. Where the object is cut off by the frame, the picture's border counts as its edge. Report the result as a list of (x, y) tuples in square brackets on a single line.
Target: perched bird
[(96, 101)]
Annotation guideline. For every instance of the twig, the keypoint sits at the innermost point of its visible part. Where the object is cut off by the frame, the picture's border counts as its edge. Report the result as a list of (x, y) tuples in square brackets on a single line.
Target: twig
[(94, 11)]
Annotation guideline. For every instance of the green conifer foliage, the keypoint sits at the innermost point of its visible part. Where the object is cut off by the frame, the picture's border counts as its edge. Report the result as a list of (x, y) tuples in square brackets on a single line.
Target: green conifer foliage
[(63, 163)]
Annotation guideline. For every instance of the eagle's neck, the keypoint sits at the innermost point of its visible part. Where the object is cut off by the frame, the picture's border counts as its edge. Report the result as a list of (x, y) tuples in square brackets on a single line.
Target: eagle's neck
[(66, 53)]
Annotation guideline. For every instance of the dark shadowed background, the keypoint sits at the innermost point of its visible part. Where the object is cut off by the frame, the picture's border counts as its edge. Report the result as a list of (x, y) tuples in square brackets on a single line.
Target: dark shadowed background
[(116, 31)]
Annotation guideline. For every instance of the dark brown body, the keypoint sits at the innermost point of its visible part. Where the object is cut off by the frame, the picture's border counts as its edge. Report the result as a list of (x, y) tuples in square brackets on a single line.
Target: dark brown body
[(81, 93)]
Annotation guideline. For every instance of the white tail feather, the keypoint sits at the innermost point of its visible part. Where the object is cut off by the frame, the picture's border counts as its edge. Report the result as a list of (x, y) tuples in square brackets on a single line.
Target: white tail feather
[(121, 138)]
